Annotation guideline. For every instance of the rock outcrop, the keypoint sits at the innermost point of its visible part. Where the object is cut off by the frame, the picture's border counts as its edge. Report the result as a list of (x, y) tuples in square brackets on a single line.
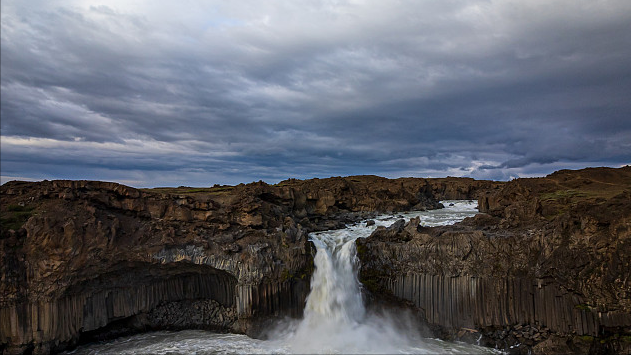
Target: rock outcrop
[(84, 260), (547, 268)]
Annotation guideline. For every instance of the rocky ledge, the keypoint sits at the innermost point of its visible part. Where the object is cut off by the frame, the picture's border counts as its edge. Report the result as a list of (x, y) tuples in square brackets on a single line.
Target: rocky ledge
[(86, 260), (546, 268)]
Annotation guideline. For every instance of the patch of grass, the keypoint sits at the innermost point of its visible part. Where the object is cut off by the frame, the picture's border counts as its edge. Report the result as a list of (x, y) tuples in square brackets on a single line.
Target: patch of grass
[(221, 189), (162, 190), (15, 216), (559, 202), (183, 190), (287, 182), (192, 191), (563, 194)]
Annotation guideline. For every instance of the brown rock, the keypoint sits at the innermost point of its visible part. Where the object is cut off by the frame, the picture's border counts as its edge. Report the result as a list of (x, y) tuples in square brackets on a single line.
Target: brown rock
[(76, 256), (554, 345), (83, 254), (540, 256)]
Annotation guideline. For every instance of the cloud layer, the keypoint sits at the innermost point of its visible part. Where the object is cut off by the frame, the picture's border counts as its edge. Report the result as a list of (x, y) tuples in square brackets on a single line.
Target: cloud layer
[(225, 92)]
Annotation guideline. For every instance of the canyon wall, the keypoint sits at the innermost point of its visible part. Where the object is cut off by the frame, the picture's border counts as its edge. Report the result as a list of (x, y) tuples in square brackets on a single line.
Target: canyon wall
[(85, 260), (547, 260), (546, 268)]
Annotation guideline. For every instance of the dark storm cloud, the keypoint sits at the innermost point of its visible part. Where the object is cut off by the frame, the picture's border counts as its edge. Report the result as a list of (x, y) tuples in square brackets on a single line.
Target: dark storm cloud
[(240, 91)]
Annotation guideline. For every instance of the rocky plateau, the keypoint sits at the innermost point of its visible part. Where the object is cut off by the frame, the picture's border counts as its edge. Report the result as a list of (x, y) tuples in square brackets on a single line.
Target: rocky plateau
[(545, 267)]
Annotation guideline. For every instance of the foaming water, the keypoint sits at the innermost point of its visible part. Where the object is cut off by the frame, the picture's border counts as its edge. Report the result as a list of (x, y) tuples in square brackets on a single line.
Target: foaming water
[(335, 310), (197, 342), (335, 317)]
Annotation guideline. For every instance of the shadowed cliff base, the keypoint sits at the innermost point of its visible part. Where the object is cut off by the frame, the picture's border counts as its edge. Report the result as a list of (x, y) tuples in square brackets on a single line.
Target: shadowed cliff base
[(85, 260)]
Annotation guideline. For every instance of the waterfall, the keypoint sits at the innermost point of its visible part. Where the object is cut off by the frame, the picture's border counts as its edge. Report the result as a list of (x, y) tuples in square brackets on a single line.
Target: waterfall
[(335, 318), (335, 294)]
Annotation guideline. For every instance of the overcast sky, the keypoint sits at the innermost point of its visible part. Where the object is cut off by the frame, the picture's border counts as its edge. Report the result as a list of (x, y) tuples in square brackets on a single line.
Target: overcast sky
[(203, 92)]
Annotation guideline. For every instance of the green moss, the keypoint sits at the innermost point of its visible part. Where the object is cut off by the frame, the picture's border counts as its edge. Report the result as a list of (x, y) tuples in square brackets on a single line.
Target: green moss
[(586, 338), (371, 285), (362, 250), (583, 307), (615, 338), (301, 274), (285, 275), (371, 279), (307, 271)]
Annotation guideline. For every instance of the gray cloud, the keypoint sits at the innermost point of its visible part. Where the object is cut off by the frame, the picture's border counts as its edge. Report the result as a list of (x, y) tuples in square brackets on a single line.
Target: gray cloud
[(217, 92)]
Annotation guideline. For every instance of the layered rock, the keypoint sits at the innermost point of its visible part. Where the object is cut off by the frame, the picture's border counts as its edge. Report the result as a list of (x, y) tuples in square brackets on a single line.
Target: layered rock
[(83, 260), (549, 260)]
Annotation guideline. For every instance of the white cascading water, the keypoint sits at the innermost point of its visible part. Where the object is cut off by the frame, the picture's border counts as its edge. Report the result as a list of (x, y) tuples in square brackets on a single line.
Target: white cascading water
[(335, 294), (335, 319), (335, 309)]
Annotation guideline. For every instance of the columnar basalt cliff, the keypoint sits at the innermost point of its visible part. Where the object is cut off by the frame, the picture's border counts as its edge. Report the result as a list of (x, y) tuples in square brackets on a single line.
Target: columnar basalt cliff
[(546, 268), (85, 260)]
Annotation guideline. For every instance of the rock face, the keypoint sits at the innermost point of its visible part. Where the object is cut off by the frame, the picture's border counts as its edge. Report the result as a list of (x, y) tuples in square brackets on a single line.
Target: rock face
[(544, 269), (547, 268), (85, 260)]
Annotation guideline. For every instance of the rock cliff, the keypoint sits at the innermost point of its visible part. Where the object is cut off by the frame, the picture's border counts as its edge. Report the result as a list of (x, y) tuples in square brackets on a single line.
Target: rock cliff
[(85, 260), (546, 268)]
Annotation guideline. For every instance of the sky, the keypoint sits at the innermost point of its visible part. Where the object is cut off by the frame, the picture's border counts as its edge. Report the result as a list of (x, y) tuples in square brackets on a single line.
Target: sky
[(197, 93)]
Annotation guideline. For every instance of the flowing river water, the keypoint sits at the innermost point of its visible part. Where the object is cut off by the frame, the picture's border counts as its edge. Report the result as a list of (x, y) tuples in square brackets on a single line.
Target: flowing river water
[(335, 317)]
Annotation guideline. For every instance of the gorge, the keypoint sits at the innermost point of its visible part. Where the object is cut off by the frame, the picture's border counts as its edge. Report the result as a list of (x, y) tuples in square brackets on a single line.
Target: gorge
[(336, 319), (544, 268)]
